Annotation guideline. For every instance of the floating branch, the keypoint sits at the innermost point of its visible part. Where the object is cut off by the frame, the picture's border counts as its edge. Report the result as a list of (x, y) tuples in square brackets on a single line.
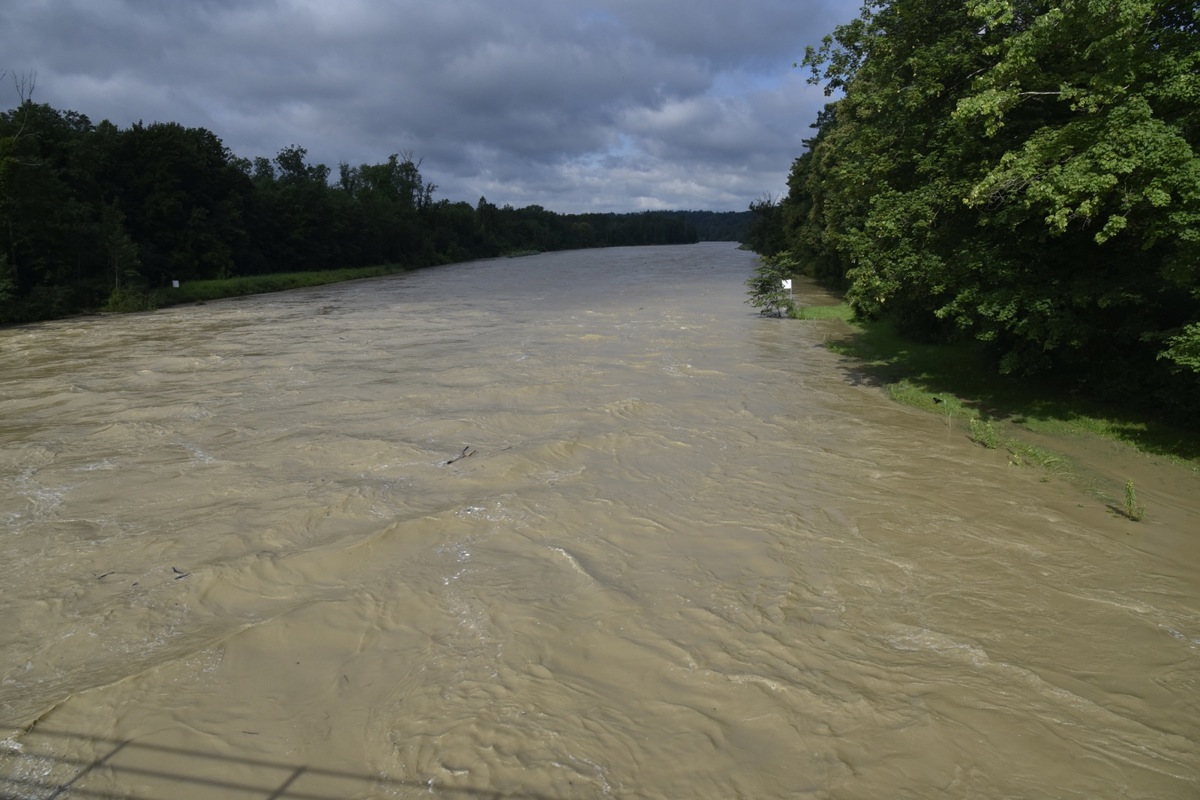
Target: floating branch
[(467, 452)]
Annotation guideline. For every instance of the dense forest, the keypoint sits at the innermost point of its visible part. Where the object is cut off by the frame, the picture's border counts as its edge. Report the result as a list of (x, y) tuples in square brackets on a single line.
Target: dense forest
[(1018, 172), (94, 216)]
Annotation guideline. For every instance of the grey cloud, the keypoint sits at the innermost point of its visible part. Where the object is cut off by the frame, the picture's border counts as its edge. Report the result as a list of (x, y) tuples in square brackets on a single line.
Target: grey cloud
[(612, 104)]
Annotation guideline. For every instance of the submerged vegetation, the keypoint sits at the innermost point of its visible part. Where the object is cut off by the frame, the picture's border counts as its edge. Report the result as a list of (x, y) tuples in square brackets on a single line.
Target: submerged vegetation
[(203, 291), (1133, 509), (767, 286), (958, 379), (1029, 420)]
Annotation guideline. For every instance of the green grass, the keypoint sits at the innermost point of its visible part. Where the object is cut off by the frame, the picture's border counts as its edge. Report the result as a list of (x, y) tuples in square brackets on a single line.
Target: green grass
[(203, 291), (1024, 454), (958, 382), (984, 432), (841, 311)]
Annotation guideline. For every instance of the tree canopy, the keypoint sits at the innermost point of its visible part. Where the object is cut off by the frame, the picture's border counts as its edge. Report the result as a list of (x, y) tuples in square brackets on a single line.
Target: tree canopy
[(1022, 172)]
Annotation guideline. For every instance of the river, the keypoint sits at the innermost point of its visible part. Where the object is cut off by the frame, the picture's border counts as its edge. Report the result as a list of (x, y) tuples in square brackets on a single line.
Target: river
[(575, 525)]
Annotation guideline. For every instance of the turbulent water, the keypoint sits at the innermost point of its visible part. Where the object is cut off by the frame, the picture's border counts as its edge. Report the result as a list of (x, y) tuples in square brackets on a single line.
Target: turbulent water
[(576, 525)]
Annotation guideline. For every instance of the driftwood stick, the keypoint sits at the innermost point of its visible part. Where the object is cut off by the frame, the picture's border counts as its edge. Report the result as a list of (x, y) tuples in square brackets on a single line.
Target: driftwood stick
[(467, 452)]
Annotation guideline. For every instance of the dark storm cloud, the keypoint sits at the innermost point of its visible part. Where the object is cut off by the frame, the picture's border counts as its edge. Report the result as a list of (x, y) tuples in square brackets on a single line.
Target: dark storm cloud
[(605, 105)]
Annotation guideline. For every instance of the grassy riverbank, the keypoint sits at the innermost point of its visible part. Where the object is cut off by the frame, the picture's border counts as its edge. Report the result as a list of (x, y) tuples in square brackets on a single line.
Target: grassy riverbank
[(216, 289), (1036, 424), (201, 291), (219, 288)]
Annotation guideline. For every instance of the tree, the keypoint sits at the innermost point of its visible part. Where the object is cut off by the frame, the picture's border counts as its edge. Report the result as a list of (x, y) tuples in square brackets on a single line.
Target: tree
[(183, 195), (765, 232), (122, 253), (767, 292), (47, 234), (1019, 171)]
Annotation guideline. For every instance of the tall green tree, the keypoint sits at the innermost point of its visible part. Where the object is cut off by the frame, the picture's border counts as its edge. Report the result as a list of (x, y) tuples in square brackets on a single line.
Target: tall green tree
[(1110, 174), (1019, 171), (182, 194), (48, 236)]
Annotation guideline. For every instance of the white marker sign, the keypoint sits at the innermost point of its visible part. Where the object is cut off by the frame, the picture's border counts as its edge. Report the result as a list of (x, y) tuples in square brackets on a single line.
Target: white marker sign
[(787, 283)]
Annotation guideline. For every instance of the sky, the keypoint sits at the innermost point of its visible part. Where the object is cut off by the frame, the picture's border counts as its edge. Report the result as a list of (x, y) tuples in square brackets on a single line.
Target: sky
[(574, 105)]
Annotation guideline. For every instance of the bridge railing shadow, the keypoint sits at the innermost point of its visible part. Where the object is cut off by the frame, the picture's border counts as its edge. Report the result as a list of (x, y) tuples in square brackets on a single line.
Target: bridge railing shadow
[(38, 765)]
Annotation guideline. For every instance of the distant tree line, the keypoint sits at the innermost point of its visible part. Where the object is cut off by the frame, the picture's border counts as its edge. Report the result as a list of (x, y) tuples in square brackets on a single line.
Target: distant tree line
[(717, 226), (94, 216), (1025, 173)]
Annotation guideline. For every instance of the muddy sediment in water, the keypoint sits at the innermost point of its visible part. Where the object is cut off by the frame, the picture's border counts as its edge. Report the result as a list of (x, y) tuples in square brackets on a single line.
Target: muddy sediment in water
[(568, 526)]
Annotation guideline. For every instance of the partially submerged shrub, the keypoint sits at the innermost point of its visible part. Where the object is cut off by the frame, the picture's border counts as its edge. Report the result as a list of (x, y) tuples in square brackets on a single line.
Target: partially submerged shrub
[(1132, 510), (767, 293), (984, 432)]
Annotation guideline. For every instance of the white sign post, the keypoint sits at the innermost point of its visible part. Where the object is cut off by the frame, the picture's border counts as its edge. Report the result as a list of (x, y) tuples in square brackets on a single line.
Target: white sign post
[(787, 284)]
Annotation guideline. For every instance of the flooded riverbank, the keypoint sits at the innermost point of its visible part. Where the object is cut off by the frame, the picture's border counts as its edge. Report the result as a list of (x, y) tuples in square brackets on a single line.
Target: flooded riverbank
[(575, 525)]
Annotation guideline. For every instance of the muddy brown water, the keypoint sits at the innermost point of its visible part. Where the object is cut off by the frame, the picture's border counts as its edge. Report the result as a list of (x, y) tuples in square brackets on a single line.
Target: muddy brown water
[(576, 525)]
